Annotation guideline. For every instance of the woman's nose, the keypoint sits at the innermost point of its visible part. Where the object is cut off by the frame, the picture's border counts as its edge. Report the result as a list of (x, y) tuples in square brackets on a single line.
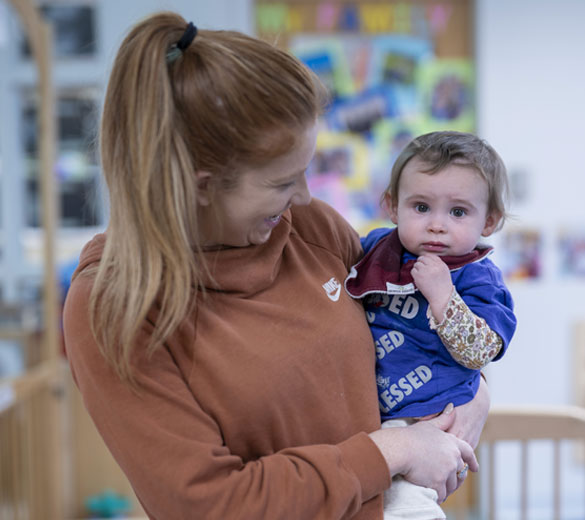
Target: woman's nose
[(302, 196)]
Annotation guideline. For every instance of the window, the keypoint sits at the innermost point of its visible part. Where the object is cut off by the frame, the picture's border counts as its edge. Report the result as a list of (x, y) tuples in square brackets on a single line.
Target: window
[(76, 167), (73, 29)]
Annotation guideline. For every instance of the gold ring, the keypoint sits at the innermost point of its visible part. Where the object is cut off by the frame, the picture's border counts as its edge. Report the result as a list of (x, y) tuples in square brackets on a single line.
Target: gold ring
[(462, 473)]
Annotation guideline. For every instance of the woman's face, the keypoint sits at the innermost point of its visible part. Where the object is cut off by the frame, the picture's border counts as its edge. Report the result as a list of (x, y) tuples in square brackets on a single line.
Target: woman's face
[(247, 213)]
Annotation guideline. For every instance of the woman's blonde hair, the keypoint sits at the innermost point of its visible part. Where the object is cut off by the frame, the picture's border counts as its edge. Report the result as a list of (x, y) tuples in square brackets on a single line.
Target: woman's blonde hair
[(227, 101)]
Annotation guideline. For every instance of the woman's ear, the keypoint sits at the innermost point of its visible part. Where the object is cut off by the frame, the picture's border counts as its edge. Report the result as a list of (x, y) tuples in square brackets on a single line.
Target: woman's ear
[(491, 223), (204, 187)]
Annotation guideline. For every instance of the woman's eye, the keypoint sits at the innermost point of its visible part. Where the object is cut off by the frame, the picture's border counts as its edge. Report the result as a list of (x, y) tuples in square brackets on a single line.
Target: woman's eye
[(421, 208), (458, 212)]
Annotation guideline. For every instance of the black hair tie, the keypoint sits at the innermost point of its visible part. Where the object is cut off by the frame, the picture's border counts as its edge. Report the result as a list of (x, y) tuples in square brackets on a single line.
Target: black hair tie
[(178, 48), (188, 37)]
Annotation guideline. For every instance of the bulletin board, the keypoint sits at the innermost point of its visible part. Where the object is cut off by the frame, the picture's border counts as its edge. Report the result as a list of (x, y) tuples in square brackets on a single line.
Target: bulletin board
[(394, 70)]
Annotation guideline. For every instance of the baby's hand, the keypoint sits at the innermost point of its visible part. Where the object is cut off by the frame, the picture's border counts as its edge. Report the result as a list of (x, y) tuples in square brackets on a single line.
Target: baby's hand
[(433, 279)]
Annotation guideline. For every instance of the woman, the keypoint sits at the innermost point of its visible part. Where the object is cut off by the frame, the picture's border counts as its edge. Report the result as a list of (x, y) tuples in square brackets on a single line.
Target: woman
[(226, 369)]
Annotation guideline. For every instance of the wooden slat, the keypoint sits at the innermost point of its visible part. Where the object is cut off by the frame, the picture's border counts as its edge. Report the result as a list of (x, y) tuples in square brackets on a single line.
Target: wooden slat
[(523, 480), (492, 481), (557, 479), (39, 35)]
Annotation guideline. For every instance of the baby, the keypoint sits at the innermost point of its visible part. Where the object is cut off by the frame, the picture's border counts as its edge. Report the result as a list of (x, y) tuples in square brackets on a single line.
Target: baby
[(437, 305)]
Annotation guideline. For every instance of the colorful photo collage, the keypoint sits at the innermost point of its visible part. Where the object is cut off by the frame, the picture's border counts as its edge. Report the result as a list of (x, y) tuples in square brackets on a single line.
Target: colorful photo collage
[(524, 251), (521, 254), (384, 90), (571, 247)]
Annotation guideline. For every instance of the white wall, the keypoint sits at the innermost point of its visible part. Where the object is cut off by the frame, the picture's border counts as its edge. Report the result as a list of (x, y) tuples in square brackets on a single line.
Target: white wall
[(531, 107), (118, 15)]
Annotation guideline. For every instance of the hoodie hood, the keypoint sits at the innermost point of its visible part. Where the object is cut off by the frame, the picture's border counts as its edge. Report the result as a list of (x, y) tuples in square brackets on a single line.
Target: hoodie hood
[(240, 270), (90, 254)]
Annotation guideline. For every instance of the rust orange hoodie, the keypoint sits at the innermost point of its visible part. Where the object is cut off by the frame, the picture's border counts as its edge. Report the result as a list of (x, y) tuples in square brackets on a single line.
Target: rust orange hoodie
[(259, 405)]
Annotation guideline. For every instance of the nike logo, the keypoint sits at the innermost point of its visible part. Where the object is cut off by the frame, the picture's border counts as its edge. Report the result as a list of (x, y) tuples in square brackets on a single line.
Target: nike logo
[(333, 289)]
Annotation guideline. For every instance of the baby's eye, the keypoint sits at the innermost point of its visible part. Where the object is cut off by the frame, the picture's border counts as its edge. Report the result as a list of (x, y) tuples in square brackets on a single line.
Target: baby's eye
[(421, 208), (458, 212)]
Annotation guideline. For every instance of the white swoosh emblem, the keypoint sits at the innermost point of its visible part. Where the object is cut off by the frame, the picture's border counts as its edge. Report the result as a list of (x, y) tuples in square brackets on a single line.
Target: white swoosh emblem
[(335, 296)]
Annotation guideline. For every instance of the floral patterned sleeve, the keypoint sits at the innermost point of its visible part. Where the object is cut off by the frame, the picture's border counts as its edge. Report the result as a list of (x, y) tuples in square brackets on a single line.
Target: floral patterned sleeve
[(467, 337)]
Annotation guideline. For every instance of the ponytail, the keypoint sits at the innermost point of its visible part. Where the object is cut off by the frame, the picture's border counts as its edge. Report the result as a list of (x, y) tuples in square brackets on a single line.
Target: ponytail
[(225, 100)]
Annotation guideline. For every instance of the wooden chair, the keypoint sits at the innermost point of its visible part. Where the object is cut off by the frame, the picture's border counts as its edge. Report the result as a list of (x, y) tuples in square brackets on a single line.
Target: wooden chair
[(555, 425)]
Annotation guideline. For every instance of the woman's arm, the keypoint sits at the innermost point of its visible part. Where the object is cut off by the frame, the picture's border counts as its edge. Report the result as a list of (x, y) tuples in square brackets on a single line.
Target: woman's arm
[(469, 418)]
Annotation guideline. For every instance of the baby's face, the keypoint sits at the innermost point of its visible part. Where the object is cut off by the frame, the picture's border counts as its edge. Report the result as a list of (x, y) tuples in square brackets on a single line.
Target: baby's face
[(444, 213)]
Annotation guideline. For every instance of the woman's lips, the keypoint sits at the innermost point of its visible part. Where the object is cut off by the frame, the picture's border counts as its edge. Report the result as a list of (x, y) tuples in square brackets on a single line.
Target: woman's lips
[(275, 219)]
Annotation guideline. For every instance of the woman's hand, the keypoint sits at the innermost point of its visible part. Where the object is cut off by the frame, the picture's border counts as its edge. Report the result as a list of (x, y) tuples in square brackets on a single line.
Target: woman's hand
[(425, 454), (470, 417)]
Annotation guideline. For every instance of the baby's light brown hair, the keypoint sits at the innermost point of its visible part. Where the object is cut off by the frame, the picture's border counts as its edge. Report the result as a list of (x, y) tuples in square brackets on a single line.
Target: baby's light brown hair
[(440, 149)]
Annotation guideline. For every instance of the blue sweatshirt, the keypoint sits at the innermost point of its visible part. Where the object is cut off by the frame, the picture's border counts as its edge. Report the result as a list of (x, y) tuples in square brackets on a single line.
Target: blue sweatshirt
[(415, 373)]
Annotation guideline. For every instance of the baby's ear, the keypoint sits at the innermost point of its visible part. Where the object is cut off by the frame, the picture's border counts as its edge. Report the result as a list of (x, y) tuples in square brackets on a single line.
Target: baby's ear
[(491, 223), (390, 208)]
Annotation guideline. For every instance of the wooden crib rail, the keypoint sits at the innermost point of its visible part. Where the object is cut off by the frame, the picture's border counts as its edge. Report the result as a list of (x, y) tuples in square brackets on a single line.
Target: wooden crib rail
[(31, 410), (534, 422), (525, 424)]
